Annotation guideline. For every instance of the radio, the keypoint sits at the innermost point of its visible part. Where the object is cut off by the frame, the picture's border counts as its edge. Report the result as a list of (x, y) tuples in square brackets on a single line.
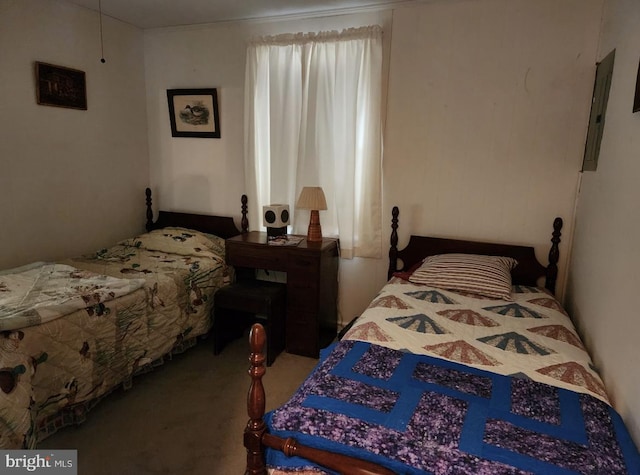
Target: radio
[(276, 218)]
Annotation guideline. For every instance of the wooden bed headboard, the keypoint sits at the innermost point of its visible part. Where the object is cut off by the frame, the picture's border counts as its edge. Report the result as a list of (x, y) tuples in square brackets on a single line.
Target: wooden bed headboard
[(221, 226), (527, 272)]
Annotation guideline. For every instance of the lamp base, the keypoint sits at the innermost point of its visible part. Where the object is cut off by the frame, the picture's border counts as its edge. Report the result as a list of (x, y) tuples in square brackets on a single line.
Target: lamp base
[(314, 232)]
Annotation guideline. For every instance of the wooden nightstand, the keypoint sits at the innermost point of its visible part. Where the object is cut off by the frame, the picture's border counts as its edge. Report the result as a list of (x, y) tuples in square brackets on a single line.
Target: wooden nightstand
[(312, 285)]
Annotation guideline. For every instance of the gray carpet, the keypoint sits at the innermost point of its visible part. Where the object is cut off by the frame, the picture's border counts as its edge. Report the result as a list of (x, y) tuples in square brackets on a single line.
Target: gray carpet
[(186, 417)]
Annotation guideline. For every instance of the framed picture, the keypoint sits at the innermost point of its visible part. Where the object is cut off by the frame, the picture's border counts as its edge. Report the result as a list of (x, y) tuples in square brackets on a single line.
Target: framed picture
[(194, 113), (636, 100), (60, 87)]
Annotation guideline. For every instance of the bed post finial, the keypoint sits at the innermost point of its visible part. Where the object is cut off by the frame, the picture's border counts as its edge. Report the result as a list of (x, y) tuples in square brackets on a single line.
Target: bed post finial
[(393, 250), (554, 255), (244, 222), (256, 427), (149, 210)]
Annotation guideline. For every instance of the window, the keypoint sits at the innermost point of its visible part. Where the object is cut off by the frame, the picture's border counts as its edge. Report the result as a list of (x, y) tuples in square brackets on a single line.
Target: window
[(313, 118)]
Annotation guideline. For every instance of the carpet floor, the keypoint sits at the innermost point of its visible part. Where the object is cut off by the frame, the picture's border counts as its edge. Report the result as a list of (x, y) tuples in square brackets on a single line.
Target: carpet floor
[(186, 417)]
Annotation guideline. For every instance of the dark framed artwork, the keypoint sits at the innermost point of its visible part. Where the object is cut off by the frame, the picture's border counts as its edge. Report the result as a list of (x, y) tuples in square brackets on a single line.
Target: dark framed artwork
[(194, 113), (59, 86), (636, 100)]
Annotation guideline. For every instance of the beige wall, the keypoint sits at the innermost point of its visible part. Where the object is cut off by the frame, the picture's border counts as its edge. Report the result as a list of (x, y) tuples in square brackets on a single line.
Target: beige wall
[(488, 102), (207, 175), (488, 106), (604, 276), (71, 181)]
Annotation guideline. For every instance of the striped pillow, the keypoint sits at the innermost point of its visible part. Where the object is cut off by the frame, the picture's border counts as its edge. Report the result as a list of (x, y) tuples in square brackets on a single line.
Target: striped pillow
[(488, 276)]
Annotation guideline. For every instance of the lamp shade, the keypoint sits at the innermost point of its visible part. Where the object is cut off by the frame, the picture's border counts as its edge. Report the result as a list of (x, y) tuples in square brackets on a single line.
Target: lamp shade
[(312, 197)]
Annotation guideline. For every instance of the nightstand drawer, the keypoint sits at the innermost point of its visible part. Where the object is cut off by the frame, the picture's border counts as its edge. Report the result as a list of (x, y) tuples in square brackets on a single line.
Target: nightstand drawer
[(308, 265), (302, 336), (257, 258), (303, 319), (302, 295)]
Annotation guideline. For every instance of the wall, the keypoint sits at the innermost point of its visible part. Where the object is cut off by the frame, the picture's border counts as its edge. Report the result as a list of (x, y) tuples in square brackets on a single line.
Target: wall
[(488, 102), (71, 181), (603, 277), (207, 175), (488, 106)]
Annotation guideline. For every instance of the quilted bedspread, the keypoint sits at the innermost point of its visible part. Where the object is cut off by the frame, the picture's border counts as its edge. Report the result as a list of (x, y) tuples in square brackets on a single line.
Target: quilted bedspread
[(439, 382), (530, 335), (42, 292), (417, 414), (51, 373)]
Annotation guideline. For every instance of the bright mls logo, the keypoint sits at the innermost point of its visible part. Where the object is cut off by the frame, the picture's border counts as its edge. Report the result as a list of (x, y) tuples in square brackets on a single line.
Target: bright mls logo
[(49, 462)]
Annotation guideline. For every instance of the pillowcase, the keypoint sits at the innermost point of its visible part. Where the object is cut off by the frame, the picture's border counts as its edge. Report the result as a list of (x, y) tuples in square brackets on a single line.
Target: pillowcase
[(487, 276), (181, 241)]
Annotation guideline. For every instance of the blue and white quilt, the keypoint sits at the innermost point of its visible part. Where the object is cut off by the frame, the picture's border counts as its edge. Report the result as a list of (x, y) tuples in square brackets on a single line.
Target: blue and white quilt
[(417, 414)]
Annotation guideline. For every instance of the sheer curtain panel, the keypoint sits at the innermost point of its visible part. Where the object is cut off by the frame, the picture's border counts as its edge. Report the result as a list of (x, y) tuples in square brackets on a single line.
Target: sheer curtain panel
[(313, 118)]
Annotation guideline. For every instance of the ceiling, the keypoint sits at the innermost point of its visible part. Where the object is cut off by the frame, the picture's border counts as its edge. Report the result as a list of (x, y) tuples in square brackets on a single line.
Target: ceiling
[(162, 13)]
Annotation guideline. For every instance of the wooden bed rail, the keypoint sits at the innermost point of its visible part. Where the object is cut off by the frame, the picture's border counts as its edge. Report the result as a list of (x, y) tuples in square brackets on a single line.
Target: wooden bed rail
[(256, 436)]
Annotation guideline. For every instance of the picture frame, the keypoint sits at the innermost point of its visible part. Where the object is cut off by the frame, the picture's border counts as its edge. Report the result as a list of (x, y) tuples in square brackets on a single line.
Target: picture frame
[(636, 100), (194, 113), (59, 86)]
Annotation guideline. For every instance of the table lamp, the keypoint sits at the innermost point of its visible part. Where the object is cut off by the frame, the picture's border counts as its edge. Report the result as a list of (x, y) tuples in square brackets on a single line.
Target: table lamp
[(312, 198)]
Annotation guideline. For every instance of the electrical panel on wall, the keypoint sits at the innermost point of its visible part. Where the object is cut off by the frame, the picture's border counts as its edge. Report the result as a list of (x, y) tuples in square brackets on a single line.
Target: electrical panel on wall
[(604, 73)]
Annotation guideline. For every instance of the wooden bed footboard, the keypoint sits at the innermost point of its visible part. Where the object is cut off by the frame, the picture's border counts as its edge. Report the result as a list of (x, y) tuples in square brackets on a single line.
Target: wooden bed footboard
[(256, 437)]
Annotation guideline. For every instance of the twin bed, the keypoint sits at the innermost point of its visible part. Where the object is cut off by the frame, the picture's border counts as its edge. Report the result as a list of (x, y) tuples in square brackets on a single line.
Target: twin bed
[(73, 331), (460, 365)]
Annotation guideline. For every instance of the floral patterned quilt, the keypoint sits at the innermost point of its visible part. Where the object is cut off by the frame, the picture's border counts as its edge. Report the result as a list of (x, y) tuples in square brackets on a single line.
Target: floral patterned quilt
[(42, 292), (53, 371), (430, 381)]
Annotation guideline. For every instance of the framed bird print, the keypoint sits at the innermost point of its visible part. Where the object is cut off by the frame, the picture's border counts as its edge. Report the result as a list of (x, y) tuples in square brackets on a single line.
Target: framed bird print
[(194, 113)]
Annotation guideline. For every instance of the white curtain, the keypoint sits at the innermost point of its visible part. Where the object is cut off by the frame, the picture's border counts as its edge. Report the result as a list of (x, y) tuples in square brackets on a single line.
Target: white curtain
[(313, 118)]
